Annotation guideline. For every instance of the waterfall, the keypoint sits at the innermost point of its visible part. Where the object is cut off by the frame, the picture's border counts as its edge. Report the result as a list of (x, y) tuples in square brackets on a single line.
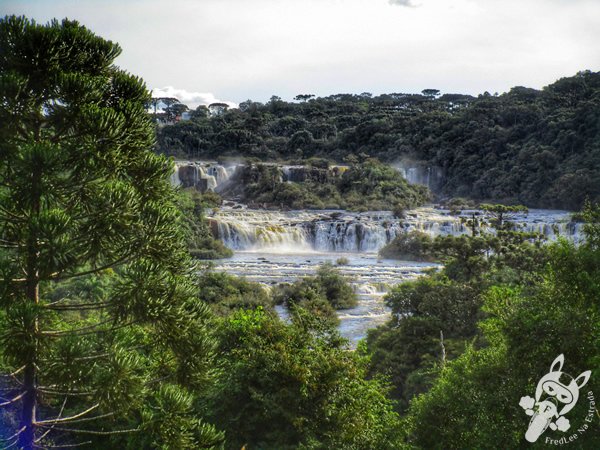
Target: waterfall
[(335, 231), (429, 176), (204, 176)]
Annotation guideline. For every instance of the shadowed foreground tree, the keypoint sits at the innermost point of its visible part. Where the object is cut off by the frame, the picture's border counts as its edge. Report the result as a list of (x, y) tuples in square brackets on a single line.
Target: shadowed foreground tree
[(100, 332)]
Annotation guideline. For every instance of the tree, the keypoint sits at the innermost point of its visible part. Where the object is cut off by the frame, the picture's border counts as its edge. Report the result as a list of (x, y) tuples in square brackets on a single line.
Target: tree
[(96, 285), (176, 110), (501, 213), (303, 97), (562, 306), (296, 386), (430, 92), (168, 102), (217, 109)]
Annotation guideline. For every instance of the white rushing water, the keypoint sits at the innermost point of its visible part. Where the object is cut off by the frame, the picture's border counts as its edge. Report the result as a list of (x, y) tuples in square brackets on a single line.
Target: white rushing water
[(335, 231), (274, 247), (370, 277)]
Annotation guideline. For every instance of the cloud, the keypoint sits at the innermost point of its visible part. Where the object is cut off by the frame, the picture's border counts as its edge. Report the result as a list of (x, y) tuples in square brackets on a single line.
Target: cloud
[(191, 99), (408, 3)]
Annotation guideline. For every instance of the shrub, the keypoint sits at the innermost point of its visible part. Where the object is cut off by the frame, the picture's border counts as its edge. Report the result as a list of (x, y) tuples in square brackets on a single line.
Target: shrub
[(412, 246)]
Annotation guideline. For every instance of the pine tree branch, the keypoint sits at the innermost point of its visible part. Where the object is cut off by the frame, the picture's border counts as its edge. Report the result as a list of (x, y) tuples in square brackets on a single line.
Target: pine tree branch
[(62, 408), (10, 244), (46, 390), (76, 332), (98, 355), (91, 271), (83, 332), (11, 445), (89, 419), (13, 436), (63, 445), (13, 215), (17, 398), (99, 433), (78, 306), (67, 419), (64, 299), (16, 372), (158, 380)]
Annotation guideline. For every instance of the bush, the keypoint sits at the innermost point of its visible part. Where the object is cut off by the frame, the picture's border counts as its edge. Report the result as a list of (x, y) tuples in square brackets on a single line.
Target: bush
[(336, 287), (412, 246), (321, 294), (288, 387), (226, 293), (211, 249), (343, 261)]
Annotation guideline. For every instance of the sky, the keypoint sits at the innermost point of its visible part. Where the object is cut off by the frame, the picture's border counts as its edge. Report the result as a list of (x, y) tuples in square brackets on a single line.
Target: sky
[(204, 51)]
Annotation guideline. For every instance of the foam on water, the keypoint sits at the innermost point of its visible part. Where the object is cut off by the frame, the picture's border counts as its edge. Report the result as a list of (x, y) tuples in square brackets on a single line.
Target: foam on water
[(370, 277), (274, 247)]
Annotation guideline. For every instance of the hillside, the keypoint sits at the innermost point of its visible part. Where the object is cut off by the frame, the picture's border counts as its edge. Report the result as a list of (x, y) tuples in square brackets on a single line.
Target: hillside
[(540, 148)]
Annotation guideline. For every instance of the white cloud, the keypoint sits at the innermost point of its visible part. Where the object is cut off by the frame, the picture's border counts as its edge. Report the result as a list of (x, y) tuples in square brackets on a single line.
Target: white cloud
[(191, 99), (240, 49), (408, 3)]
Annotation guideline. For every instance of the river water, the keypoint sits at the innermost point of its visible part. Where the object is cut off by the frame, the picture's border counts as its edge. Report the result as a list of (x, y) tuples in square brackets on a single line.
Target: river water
[(273, 247), (370, 277)]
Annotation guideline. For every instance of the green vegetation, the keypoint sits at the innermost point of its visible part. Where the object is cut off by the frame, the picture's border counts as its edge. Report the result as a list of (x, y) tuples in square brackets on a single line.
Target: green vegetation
[(342, 261), (198, 236), (295, 386), (409, 246), (526, 327), (98, 300), (370, 185), (226, 293), (474, 338), (321, 294), (533, 147), (111, 338)]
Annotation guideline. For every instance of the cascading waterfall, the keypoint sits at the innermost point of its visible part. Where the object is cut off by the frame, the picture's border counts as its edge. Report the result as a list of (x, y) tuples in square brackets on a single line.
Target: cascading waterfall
[(429, 176), (204, 176), (281, 247), (333, 231)]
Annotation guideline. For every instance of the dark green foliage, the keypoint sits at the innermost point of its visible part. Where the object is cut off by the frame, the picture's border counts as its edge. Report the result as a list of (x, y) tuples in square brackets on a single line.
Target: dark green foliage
[(410, 346), (526, 329), (292, 387), (370, 185), (321, 294), (452, 307), (410, 246), (335, 287), (226, 293), (198, 236), (537, 148), (435, 318), (97, 293)]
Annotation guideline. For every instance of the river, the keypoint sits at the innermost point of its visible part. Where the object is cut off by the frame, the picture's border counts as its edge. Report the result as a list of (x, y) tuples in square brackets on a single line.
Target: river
[(272, 247)]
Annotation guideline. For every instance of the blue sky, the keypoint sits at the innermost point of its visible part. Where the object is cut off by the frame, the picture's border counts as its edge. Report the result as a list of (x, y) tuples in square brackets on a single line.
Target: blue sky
[(233, 50)]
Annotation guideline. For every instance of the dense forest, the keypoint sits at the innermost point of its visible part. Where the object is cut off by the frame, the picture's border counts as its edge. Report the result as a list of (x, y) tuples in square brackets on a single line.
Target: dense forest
[(369, 185), (112, 337), (540, 148)]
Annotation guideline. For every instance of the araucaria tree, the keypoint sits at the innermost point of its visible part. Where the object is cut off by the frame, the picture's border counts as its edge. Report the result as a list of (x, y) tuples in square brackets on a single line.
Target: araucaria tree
[(99, 330)]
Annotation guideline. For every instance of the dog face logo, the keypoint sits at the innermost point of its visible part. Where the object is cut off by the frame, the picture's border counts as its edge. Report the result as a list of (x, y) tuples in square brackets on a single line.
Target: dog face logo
[(556, 394)]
